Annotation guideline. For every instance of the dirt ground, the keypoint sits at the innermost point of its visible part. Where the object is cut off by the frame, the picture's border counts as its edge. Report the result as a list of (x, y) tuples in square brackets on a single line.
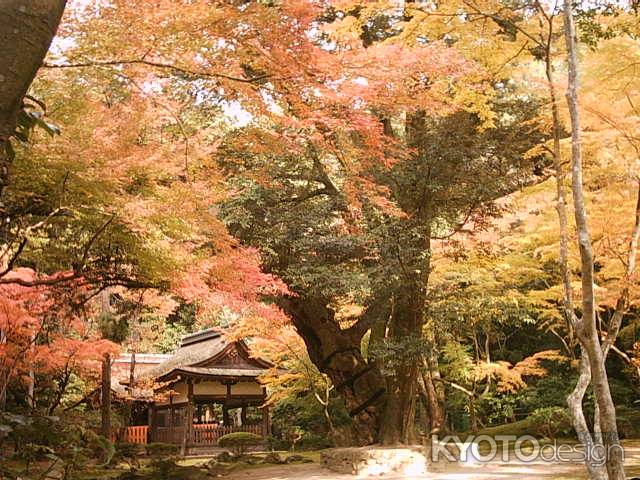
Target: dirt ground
[(495, 470)]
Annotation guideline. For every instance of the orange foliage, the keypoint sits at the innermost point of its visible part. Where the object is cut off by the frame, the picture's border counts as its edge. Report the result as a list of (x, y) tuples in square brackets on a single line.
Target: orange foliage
[(39, 335)]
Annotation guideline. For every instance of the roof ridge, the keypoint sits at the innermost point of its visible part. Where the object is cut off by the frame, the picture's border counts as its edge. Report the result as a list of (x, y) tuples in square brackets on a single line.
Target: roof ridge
[(200, 336)]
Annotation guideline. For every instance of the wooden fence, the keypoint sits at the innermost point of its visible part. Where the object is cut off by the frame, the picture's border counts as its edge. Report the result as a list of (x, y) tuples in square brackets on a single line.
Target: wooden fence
[(201, 435), (137, 434), (205, 435)]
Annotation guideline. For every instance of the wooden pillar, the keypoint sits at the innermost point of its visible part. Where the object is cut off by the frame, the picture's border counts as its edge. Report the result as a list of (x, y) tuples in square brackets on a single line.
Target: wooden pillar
[(187, 436), (153, 422), (225, 408), (243, 415), (266, 421), (172, 420), (226, 420)]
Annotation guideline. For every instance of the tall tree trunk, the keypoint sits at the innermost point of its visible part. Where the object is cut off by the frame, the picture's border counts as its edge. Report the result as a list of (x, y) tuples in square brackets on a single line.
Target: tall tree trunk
[(105, 404), (27, 28), (576, 398), (587, 330), (336, 352)]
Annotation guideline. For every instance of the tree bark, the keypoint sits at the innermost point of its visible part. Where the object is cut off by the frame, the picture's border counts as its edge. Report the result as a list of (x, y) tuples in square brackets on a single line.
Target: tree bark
[(398, 421), (434, 403), (27, 28), (596, 470), (587, 330), (336, 352), (105, 404)]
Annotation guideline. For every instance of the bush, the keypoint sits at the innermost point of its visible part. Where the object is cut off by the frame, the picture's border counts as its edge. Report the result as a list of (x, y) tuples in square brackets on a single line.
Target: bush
[(238, 442), (551, 422)]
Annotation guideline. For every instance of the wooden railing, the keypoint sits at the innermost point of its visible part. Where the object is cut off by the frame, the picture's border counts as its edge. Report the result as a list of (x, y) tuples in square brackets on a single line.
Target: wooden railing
[(209, 434), (137, 434), (205, 435)]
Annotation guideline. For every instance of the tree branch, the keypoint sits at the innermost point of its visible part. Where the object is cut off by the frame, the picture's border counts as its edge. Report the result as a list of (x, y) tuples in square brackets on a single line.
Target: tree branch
[(156, 64)]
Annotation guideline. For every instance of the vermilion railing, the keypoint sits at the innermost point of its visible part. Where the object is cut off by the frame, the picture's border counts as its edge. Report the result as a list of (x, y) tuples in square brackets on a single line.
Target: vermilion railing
[(137, 434), (206, 435)]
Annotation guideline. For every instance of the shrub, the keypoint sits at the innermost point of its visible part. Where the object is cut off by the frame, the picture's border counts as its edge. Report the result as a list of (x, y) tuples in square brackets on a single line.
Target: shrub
[(550, 422), (238, 442)]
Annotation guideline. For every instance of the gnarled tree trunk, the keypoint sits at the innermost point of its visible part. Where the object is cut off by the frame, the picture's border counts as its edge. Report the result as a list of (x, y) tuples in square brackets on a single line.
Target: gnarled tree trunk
[(336, 352)]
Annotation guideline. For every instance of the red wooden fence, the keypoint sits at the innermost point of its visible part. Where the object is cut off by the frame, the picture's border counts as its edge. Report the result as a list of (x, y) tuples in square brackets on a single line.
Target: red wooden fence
[(207, 435), (136, 434)]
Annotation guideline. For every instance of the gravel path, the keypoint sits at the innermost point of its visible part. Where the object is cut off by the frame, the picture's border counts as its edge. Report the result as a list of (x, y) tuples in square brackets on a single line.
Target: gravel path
[(496, 470)]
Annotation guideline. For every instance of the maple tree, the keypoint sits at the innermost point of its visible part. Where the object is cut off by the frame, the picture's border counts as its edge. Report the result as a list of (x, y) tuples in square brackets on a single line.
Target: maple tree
[(324, 177), (38, 342)]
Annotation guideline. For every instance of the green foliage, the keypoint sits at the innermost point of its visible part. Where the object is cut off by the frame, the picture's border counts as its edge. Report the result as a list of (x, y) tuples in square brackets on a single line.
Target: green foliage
[(63, 444), (500, 407), (113, 327), (628, 419), (302, 416), (518, 428), (551, 422), (239, 442), (549, 391), (391, 353)]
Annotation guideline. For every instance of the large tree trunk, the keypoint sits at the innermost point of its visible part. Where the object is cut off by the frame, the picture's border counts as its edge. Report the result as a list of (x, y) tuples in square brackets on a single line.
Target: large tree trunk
[(27, 28), (405, 330), (587, 329), (336, 352)]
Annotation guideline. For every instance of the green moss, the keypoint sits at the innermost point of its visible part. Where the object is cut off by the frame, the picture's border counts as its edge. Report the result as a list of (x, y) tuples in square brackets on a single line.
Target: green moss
[(519, 428)]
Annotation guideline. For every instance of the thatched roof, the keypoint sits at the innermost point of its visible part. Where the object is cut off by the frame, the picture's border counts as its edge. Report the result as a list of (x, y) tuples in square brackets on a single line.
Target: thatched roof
[(195, 348), (197, 352)]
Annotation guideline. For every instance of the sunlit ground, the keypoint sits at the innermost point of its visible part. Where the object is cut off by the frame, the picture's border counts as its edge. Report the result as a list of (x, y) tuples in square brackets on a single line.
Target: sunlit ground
[(494, 470)]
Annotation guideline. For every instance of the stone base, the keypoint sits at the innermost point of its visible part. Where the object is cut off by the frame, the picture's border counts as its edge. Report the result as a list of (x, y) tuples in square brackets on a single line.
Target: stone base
[(373, 461)]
